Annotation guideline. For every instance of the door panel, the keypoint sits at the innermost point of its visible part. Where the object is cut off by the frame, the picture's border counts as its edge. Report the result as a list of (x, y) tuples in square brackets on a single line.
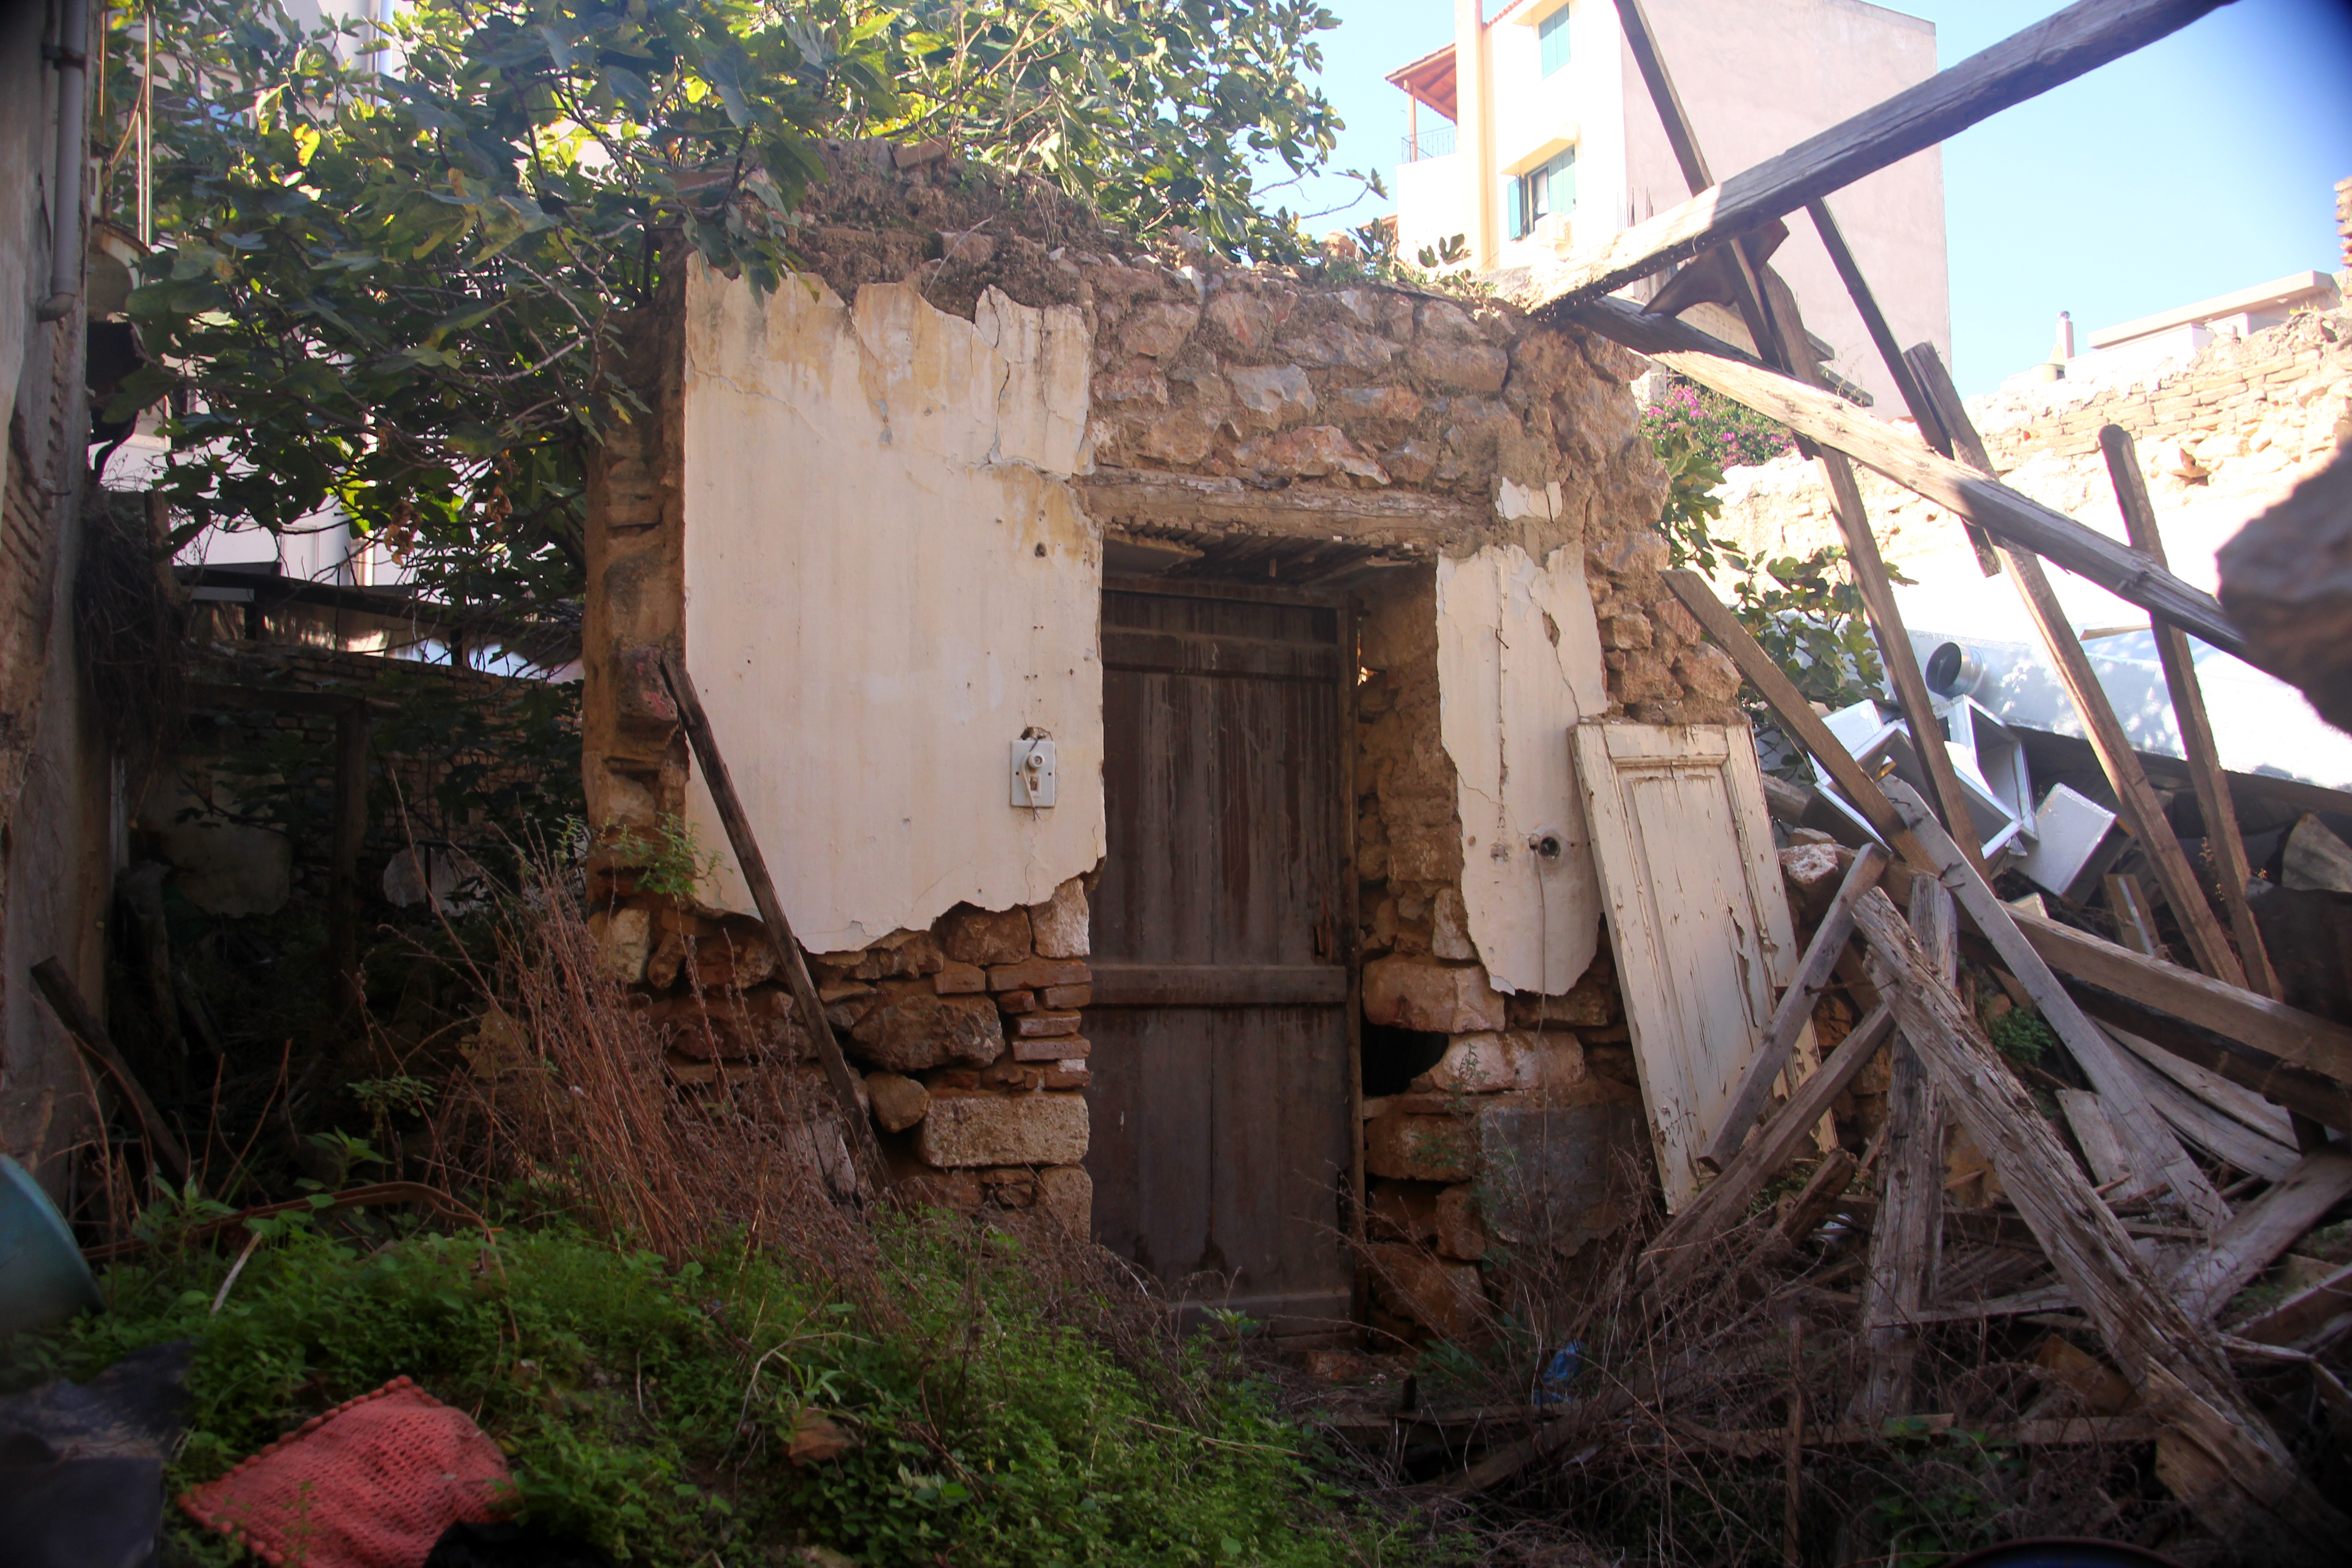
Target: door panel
[(1219, 1022)]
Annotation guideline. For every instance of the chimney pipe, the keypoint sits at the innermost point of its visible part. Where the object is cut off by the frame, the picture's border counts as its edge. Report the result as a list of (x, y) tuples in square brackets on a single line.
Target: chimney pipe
[(2065, 348)]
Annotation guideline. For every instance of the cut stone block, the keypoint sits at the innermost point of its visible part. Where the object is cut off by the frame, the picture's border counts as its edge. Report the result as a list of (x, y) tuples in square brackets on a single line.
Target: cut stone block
[(1037, 974), (1461, 1234), (1067, 1192), (1052, 1048), (1418, 1148), (915, 1027), (983, 936), (899, 1101), (1062, 927), (1413, 993), (965, 1131), (1443, 1296)]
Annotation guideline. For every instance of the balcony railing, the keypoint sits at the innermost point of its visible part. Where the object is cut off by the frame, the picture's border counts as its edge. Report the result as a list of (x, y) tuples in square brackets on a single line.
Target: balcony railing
[(1434, 143)]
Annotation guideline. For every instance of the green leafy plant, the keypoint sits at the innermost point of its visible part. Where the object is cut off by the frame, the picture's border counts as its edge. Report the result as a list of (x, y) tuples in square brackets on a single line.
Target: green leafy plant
[(670, 860), (1805, 612), (391, 265), (2021, 1035), (654, 1410)]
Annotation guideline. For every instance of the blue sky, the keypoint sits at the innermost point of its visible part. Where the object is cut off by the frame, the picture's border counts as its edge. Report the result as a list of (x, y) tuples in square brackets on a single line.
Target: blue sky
[(2205, 163)]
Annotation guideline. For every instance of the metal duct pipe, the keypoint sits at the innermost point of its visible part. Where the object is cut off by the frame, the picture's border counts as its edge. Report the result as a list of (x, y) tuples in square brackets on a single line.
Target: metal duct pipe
[(1955, 670), (64, 192)]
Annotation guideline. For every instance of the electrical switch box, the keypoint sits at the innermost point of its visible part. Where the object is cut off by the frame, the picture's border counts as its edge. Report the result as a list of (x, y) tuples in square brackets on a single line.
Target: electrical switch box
[(1032, 770)]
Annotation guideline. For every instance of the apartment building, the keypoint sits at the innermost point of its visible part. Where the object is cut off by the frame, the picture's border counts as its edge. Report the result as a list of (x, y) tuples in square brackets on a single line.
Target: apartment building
[(1531, 136)]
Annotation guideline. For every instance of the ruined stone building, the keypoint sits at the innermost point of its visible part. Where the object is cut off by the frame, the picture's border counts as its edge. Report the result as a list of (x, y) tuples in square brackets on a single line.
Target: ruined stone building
[(1293, 590)]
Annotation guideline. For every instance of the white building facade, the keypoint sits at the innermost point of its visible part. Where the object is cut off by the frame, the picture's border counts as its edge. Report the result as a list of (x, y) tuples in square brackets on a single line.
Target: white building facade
[(1532, 137)]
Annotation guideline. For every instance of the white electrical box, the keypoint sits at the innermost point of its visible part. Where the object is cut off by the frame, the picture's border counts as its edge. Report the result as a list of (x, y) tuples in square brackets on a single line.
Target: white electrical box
[(1032, 770)]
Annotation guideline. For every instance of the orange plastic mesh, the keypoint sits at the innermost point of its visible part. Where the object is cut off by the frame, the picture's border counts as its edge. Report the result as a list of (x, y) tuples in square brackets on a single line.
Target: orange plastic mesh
[(370, 1484)]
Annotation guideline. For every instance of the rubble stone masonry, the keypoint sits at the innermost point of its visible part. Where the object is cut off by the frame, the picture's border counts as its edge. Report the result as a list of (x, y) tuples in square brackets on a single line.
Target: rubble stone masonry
[(1284, 399)]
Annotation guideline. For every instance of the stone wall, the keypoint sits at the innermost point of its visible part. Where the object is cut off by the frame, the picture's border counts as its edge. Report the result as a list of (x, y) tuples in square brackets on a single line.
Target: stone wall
[(1228, 410)]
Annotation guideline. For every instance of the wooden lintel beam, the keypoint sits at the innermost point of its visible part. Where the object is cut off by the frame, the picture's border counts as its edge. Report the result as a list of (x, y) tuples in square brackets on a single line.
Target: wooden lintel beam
[(2080, 39), (2004, 513)]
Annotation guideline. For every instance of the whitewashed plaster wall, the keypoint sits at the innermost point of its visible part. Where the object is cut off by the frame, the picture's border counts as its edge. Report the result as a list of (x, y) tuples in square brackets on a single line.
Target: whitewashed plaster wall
[(887, 579), (1518, 664)]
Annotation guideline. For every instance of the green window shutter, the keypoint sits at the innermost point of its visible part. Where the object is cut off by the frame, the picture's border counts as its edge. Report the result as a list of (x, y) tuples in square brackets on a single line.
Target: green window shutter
[(1563, 182), (1551, 39), (1516, 204)]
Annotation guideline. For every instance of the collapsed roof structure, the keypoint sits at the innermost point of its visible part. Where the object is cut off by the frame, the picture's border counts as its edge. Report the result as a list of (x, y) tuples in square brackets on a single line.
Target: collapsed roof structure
[(1200, 721)]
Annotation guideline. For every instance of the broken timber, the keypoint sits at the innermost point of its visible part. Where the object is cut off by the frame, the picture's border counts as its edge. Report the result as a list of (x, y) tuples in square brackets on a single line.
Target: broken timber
[(1796, 1007), (2142, 812), (1775, 322), (65, 1000), (2196, 729), (2147, 1135), (2056, 49), (2219, 1455), (1723, 1202), (1905, 1243), (2008, 516)]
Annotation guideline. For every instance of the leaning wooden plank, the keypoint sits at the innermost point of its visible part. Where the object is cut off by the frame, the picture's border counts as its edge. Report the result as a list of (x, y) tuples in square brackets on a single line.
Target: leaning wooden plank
[(2047, 1298), (2004, 513), (2267, 1226), (2242, 1105), (2056, 49), (865, 1150), (2145, 1135), (1698, 918), (2303, 1313), (1723, 1202), (2285, 1035), (2095, 1135), (2197, 745), (82, 1026), (2143, 813), (1906, 1241), (1795, 714), (1905, 375), (2227, 1465), (2221, 1136), (1796, 1008)]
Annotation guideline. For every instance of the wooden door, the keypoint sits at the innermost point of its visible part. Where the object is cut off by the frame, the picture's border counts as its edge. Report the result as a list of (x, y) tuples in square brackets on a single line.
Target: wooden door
[(1698, 920), (1223, 1131)]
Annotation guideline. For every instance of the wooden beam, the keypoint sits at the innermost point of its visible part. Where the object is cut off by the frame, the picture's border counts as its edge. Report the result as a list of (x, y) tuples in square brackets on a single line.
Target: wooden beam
[(865, 1151), (2228, 1465), (1796, 1007), (2143, 814), (2282, 1034), (2080, 39), (2005, 514), (1796, 715), (1723, 1202), (2305, 1312), (2267, 1226), (1744, 255), (2259, 1114), (1905, 1242), (1895, 650), (1906, 380), (2224, 1138), (82, 1026), (2144, 1132), (2212, 786)]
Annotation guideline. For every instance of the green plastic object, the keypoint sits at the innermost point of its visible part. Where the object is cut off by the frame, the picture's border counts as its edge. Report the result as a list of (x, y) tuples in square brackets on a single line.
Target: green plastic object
[(43, 1279)]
